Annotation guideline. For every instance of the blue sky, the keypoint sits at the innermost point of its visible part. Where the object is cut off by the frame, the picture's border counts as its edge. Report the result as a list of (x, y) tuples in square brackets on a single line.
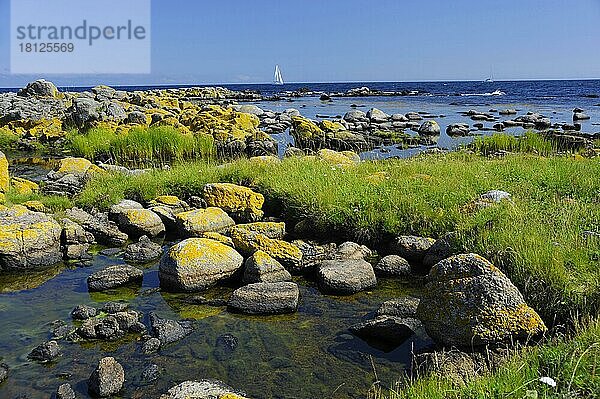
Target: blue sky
[(240, 41)]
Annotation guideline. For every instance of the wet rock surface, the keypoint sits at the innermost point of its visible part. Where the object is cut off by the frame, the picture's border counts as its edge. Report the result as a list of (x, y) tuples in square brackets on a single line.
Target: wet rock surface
[(265, 298), (107, 379), (114, 276), (346, 276)]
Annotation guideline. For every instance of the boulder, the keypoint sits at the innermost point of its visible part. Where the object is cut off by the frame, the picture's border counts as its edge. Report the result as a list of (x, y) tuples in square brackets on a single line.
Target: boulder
[(143, 251), (495, 196), (343, 158), (39, 88), (248, 242), (75, 240), (104, 230), (140, 222), (393, 266), (240, 202), (441, 249), (118, 209), (203, 389), (46, 352), (196, 222), (377, 116), (412, 248), (168, 331), (385, 331), (4, 176), (261, 268), (430, 128), (114, 276), (28, 240), (198, 263), (70, 177), (265, 298), (468, 302), (107, 379), (580, 116), (346, 276), (83, 312), (352, 250)]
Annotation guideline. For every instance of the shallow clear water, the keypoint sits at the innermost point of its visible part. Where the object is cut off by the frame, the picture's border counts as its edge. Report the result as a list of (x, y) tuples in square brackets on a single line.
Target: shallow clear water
[(303, 355)]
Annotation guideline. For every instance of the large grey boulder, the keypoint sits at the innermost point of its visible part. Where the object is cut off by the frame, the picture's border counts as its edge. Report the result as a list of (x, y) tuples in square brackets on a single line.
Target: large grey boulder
[(143, 251), (107, 379), (140, 222), (468, 302), (412, 248), (196, 222), (46, 352), (346, 276), (114, 276), (430, 128), (377, 116), (39, 88), (198, 263), (28, 240), (265, 298)]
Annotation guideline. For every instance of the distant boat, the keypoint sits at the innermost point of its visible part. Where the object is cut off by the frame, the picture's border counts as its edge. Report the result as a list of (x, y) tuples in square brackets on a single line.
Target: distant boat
[(491, 78), (278, 79)]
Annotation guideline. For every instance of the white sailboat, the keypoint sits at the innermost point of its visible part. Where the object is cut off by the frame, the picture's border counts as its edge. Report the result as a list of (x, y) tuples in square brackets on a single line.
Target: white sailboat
[(278, 79)]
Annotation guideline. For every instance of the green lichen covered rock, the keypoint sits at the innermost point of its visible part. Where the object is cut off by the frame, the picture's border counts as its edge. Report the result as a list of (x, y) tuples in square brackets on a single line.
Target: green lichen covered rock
[(199, 221), (248, 242), (306, 133), (196, 264), (28, 240), (4, 177), (467, 302), (240, 202)]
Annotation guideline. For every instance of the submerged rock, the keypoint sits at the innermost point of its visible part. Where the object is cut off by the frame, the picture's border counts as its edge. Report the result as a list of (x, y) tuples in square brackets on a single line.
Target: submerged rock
[(467, 302), (46, 352), (198, 263), (3, 372), (265, 298), (386, 330), (261, 268), (107, 379), (400, 307), (169, 331), (28, 240), (114, 276), (346, 276), (240, 202)]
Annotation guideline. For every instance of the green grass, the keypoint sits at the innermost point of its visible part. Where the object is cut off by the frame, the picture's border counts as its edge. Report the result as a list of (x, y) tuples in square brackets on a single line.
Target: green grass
[(54, 203), (527, 143), (573, 362), (538, 240), (7, 139), (142, 146)]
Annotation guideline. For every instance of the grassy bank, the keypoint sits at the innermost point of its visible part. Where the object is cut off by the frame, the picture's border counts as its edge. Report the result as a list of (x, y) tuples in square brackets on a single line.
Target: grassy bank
[(574, 364), (539, 240), (141, 145)]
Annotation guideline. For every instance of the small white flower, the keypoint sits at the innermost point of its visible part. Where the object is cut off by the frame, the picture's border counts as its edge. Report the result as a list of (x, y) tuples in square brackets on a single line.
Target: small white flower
[(548, 381)]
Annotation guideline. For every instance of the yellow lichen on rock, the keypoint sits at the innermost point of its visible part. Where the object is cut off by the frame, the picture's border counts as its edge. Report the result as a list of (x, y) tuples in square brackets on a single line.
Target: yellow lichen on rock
[(331, 127), (211, 235), (75, 166), (35, 206), (224, 124), (170, 200), (24, 186), (270, 229), (4, 176), (198, 221), (239, 200), (306, 129), (496, 325), (248, 242), (344, 158)]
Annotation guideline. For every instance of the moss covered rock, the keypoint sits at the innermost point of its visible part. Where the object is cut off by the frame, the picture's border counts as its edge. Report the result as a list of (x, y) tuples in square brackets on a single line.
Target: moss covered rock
[(196, 264), (467, 302), (270, 229), (28, 240), (199, 221), (240, 202), (248, 242), (344, 158)]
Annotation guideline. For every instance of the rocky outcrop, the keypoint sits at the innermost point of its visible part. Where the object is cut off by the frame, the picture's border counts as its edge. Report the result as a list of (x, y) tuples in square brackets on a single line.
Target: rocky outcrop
[(265, 298), (240, 202), (104, 230), (261, 268), (198, 263), (199, 221), (115, 325), (28, 240), (70, 177), (468, 302), (75, 240), (346, 276), (107, 379), (113, 277)]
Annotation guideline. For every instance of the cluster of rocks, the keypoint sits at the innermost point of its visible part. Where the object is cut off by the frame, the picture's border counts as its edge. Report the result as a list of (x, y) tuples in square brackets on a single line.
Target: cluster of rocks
[(40, 112), (270, 122), (355, 92)]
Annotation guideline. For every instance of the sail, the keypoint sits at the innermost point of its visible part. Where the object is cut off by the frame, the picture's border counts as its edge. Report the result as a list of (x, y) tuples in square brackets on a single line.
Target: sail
[(278, 79)]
